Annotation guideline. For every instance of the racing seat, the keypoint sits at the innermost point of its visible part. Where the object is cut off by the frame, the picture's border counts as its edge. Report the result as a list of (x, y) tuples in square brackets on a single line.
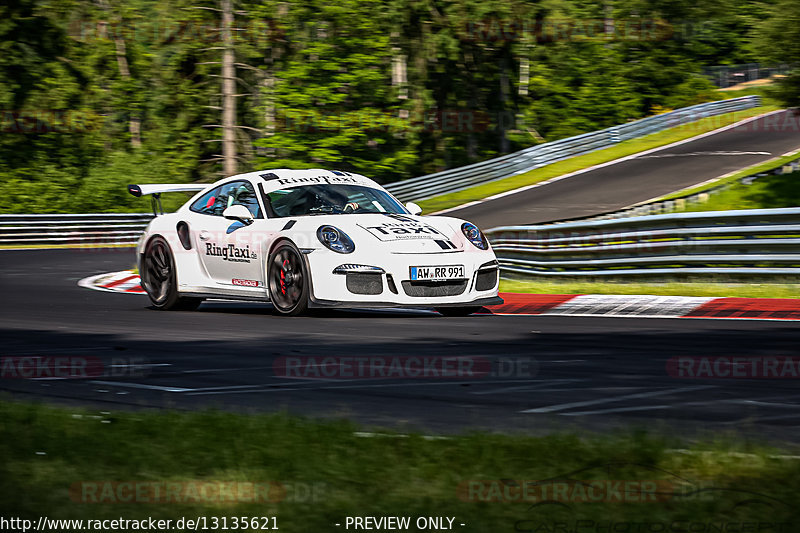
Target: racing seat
[(244, 196)]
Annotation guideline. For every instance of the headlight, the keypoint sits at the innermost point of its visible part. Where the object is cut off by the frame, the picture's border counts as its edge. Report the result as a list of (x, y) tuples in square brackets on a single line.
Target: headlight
[(335, 239), (474, 235)]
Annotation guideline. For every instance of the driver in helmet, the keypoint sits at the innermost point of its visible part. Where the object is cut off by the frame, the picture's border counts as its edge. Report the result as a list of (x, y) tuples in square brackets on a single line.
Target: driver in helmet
[(334, 200)]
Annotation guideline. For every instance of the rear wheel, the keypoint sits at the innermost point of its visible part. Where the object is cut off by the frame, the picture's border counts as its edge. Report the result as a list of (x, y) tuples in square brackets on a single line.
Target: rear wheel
[(159, 279), (288, 280), (457, 311)]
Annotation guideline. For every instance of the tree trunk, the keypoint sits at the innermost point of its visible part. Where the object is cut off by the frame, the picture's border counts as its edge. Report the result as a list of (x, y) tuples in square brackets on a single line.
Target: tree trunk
[(134, 123), (228, 92), (504, 93)]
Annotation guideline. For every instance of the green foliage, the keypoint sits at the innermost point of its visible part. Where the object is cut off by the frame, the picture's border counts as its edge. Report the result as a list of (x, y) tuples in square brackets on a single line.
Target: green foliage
[(322, 84), (787, 90), (770, 192), (51, 454), (779, 41), (332, 103)]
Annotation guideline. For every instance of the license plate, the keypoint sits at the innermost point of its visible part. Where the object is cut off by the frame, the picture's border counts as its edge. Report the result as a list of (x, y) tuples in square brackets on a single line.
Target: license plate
[(435, 273)]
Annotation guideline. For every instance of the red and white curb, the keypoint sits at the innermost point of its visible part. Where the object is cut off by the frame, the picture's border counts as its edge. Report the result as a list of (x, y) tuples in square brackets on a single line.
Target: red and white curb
[(126, 281), (641, 306), (638, 306), (648, 306)]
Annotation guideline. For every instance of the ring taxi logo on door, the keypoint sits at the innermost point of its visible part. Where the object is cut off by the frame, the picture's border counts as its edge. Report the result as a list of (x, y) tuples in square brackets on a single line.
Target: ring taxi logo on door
[(230, 252)]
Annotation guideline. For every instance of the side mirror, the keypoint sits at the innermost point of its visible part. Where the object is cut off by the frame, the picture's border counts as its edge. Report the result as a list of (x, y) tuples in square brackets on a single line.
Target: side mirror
[(413, 208), (240, 213)]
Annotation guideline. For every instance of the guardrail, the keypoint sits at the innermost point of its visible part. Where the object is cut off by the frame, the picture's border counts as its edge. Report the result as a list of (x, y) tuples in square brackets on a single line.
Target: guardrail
[(457, 179), (122, 229), (759, 242), (755, 242), (681, 202), (95, 229)]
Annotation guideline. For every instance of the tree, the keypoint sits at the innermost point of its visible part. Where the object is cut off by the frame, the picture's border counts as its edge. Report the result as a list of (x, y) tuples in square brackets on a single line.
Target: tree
[(778, 41), (335, 103), (96, 94)]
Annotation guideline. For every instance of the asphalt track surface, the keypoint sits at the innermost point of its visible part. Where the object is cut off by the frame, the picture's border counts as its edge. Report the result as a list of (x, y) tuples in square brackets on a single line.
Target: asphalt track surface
[(587, 374), (642, 178)]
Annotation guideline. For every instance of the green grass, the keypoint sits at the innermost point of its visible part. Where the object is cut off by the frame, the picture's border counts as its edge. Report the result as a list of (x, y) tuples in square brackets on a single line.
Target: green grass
[(46, 450), (764, 91), (623, 149), (749, 171), (708, 288), (769, 192)]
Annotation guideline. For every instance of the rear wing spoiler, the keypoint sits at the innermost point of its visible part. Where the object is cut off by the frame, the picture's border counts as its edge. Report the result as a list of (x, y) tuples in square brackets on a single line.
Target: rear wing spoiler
[(158, 188)]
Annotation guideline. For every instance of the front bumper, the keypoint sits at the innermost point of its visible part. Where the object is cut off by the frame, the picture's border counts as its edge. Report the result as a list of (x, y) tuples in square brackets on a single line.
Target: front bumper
[(384, 279)]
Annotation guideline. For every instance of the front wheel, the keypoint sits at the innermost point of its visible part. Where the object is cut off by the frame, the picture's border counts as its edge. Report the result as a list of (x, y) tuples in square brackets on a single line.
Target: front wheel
[(288, 280), (159, 279), (457, 311)]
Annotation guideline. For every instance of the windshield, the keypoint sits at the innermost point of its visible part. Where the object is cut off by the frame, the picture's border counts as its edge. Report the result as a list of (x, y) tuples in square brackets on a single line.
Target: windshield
[(331, 199)]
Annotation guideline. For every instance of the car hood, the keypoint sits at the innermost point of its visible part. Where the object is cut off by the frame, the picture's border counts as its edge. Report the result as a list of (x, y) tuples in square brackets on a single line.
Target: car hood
[(398, 233)]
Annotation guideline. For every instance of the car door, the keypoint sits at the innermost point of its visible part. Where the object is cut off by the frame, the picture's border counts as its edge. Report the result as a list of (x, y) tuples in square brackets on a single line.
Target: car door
[(229, 250)]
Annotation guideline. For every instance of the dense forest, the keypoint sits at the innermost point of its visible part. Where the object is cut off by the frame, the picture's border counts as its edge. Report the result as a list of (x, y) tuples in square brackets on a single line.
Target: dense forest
[(96, 94)]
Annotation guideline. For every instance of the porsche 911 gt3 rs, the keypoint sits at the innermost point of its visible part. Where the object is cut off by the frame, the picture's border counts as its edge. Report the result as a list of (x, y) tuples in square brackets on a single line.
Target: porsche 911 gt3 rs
[(311, 238)]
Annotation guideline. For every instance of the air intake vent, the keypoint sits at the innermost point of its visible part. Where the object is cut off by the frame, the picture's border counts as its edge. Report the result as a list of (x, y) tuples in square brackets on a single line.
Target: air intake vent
[(359, 283), (486, 279), (424, 289), (183, 235)]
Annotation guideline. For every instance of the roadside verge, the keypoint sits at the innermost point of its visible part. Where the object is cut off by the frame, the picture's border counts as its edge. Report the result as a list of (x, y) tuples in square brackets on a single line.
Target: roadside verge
[(592, 161), (606, 305)]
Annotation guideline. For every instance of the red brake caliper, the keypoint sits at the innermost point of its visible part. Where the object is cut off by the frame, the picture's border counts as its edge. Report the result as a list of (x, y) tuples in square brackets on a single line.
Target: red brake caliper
[(283, 276)]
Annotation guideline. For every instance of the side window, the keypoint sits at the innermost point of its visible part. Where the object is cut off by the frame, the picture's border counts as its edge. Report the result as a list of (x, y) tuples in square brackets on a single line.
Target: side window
[(215, 201), (243, 194), (209, 203)]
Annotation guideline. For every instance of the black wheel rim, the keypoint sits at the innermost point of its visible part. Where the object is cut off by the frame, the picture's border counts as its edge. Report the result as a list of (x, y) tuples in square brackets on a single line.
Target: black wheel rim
[(286, 279), (158, 272)]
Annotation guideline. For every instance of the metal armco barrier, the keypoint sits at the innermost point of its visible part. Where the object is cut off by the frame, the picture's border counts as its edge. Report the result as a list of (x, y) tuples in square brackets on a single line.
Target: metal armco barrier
[(121, 229), (457, 179), (758, 242), (755, 242), (680, 202), (100, 229)]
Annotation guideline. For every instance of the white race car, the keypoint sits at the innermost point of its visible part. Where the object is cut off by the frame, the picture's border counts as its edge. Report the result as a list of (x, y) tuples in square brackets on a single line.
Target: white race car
[(311, 238)]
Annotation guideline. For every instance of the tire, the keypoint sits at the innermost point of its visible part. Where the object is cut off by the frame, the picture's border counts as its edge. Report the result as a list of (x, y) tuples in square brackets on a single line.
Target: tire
[(457, 311), (288, 280), (159, 278)]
